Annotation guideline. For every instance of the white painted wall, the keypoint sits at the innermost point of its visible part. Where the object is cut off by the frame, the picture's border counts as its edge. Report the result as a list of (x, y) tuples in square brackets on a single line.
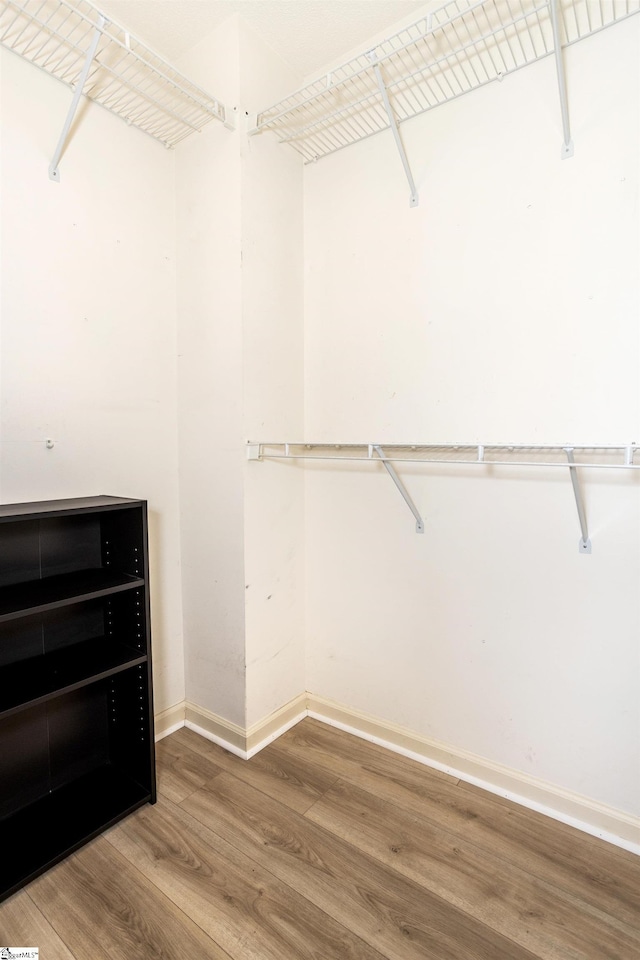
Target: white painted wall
[(137, 255), (87, 334), (208, 195), (240, 327), (505, 308), (272, 325)]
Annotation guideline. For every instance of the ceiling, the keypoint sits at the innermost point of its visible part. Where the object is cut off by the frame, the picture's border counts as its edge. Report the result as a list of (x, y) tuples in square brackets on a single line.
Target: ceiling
[(307, 34)]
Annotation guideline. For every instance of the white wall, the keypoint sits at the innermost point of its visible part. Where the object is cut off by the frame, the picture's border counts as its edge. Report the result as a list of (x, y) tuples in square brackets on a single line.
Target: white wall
[(240, 327), (208, 194), (87, 335), (273, 323), (504, 309), (137, 255)]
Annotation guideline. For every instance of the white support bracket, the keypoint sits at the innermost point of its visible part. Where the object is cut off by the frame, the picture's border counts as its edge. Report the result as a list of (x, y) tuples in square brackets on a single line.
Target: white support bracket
[(413, 199), (398, 482), (54, 173), (567, 144), (230, 118), (584, 544)]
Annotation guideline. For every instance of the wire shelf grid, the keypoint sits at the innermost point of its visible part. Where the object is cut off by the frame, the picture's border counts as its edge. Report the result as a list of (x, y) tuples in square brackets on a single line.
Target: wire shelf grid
[(460, 47), (611, 456), (125, 76)]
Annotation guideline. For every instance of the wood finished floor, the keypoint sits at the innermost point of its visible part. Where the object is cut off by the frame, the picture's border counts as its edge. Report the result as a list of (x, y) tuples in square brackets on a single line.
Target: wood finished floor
[(324, 846)]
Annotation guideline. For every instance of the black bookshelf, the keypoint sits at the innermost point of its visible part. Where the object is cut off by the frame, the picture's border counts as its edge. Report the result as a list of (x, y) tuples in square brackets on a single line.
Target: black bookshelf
[(76, 702)]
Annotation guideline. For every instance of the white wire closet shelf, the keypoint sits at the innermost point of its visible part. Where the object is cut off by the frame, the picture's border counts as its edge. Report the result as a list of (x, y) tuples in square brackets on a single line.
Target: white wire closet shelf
[(610, 456), (568, 456), (455, 49), (74, 42)]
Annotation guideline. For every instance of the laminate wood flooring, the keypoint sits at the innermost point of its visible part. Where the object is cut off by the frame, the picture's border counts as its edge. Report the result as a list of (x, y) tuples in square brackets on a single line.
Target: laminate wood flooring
[(326, 847)]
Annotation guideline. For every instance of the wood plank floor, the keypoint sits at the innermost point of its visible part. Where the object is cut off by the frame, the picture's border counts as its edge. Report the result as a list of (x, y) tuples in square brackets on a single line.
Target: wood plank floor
[(324, 846)]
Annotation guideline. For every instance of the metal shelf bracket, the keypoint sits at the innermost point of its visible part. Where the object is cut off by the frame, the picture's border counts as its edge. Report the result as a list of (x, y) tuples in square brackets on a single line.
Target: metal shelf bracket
[(54, 173), (584, 544), (399, 484), (413, 199), (567, 143)]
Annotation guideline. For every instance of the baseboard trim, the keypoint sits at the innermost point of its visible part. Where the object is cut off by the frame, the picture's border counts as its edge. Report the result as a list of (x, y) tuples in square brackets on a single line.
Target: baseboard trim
[(598, 820), (226, 734), (260, 734), (246, 743), (168, 721)]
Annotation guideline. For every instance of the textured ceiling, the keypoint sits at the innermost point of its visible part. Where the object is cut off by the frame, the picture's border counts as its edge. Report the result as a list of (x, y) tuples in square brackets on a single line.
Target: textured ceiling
[(307, 34)]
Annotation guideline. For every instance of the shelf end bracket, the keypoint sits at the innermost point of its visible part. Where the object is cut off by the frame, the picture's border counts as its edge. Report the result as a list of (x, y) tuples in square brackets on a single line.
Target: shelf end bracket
[(584, 544), (414, 198), (54, 173), (399, 484), (229, 117)]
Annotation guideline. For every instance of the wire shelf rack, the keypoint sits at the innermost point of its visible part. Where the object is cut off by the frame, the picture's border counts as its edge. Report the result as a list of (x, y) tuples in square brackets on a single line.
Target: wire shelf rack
[(457, 48), (623, 456), (569, 457), (124, 76)]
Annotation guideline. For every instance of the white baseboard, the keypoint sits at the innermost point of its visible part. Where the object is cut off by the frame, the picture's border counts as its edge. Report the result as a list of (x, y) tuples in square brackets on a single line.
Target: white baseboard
[(245, 743), (226, 734), (170, 720), (260, 734), (584, 814), (598, 820)]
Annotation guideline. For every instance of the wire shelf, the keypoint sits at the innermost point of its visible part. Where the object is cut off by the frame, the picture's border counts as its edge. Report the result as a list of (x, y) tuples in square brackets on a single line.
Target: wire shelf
[(622, 456), (569, 457), (125, 76), (460, 47)]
